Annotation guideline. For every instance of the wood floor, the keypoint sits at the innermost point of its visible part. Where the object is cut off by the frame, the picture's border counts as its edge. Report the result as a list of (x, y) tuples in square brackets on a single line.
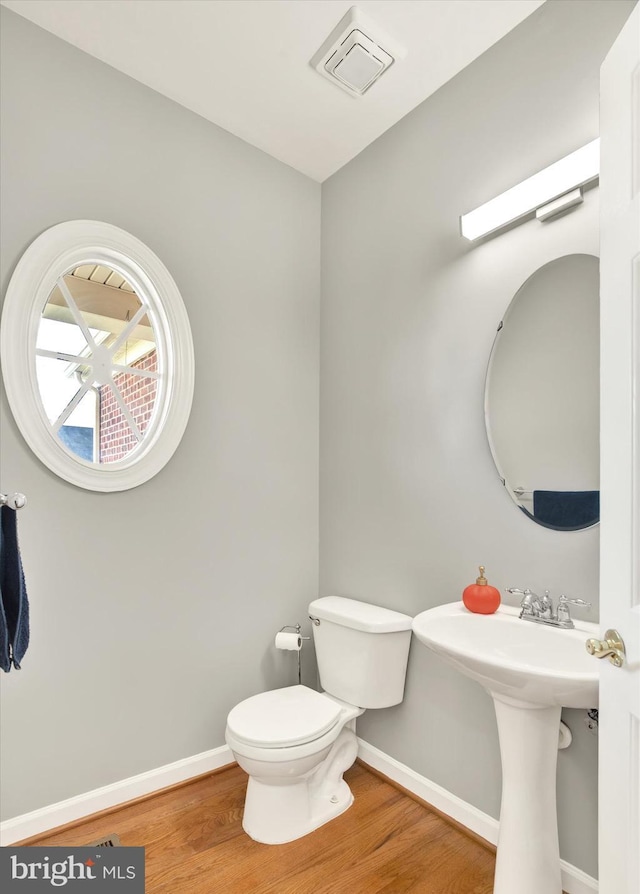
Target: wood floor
[(386, 843)]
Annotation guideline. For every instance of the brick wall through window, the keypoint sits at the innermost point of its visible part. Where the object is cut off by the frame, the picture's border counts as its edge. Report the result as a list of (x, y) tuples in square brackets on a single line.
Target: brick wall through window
[(139, 394)]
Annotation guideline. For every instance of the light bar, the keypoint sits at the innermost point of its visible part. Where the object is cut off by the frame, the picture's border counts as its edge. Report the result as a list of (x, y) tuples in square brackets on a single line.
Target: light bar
[(572, 171)]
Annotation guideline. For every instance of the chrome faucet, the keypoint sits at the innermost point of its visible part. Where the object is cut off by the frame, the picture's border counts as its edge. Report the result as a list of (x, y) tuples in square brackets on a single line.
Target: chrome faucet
[(540, 608)]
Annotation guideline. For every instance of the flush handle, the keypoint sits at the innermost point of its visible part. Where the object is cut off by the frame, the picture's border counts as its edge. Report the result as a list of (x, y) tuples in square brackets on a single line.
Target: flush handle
[(611, 647)]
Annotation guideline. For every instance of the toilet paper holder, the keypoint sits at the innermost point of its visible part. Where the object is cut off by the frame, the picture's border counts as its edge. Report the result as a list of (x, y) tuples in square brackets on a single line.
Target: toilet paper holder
[(298, 630)]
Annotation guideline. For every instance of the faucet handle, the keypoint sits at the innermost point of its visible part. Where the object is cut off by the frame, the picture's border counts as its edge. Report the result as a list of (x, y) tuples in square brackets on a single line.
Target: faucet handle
[(516, 591), (563, 600), (563, 614), (527, 601), (527, 595)]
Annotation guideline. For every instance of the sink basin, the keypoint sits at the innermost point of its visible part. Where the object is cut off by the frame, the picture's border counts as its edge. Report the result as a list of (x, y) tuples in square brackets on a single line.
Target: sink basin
[(531, 670), (520, 659)]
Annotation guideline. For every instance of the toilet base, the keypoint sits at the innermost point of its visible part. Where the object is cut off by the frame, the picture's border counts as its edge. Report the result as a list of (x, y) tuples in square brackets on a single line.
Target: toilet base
[(290, 817), (287, 810)]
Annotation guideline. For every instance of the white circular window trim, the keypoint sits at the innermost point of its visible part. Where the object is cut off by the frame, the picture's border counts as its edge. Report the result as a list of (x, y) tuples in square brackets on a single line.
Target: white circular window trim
[(52, 254)]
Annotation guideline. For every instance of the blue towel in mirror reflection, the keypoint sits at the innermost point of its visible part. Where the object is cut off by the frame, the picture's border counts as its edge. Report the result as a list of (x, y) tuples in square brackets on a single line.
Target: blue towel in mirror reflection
[(14, 605), (566, 509)]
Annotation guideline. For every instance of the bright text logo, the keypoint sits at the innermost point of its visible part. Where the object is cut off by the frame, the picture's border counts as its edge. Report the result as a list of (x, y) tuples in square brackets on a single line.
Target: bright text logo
[(34, 870)]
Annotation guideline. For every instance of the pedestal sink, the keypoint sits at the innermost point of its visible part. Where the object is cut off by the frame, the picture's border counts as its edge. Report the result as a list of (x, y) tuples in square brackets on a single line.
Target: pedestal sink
[(531, 670)]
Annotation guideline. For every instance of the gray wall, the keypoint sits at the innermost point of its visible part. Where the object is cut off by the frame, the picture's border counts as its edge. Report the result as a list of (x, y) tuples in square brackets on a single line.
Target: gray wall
[(410, 500), (153, 611)]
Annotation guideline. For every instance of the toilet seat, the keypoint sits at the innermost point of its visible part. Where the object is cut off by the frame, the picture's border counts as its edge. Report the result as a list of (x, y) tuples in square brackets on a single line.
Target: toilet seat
[(283, 718)]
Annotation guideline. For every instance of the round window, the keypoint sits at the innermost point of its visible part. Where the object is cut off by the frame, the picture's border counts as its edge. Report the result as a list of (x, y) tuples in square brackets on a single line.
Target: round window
[(97, 356)]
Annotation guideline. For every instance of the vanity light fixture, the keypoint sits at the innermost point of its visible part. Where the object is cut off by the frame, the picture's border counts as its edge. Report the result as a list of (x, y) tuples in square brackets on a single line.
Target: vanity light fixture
[(547, 193)]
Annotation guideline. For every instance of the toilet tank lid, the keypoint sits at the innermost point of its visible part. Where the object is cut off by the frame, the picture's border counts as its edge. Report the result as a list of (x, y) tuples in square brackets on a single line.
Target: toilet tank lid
[(359, 615)]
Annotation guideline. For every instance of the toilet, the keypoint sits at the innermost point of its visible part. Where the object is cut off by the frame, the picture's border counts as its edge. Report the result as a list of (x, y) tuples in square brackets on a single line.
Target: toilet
[(296, 743)]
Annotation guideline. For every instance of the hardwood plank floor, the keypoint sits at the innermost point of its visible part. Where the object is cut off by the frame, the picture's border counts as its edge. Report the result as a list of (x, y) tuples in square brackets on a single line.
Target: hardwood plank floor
[(386, 843)]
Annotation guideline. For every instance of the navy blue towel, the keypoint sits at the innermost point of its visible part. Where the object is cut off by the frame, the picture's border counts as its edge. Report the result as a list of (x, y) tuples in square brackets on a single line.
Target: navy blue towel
[(566, 509), (14, 605)]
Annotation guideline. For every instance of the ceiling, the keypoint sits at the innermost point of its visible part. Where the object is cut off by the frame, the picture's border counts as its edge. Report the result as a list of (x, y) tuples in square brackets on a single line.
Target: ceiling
[(244, 64)]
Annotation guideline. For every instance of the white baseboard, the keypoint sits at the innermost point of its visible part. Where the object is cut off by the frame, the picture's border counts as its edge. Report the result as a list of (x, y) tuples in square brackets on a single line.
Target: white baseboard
[(54, 815), (574, 880)]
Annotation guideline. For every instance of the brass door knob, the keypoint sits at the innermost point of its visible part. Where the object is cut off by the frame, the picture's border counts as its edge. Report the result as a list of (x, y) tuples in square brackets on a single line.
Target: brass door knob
[(611, 647)]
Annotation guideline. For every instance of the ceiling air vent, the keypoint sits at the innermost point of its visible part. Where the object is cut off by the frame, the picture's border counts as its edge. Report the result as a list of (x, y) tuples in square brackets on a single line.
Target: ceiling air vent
[(356, 53)]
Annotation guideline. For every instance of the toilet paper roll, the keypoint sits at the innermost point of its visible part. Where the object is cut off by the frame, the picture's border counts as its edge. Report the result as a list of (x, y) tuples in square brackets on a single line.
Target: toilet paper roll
[(290, 641)]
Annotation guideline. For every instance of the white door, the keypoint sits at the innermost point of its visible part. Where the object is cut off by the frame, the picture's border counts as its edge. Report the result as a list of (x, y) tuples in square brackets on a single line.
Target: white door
[(619, 774)]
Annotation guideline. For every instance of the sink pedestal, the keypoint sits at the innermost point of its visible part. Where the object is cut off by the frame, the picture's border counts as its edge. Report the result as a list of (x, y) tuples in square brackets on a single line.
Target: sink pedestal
[(528, 857)]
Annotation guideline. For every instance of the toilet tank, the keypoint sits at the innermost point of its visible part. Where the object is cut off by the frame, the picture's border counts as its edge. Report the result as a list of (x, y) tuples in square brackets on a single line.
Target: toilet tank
[(362, 650)]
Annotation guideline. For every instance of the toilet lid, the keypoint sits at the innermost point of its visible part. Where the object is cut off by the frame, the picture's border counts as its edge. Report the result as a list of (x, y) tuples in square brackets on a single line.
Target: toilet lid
[(283, 717)]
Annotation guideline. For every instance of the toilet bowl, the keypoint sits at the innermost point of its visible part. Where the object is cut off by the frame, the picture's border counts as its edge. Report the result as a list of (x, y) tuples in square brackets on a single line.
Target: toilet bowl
[(295, 744)]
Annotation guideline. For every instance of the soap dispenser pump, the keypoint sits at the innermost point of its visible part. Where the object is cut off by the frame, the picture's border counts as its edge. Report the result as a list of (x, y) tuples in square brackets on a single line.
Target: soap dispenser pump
[(480, 597)]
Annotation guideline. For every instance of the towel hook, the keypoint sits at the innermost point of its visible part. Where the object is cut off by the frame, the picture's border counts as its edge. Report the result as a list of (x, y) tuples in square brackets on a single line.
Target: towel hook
[(13, 501)]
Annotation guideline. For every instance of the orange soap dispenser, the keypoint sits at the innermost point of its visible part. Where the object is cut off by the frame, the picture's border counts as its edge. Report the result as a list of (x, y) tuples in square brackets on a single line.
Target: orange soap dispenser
[(481, 597)]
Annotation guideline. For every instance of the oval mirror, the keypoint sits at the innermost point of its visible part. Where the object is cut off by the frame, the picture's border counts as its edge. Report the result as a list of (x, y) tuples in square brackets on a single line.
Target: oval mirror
[(542, 395), (97, 355)]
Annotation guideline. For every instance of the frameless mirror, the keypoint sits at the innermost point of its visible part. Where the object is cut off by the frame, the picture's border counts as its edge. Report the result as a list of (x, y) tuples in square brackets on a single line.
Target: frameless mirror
[(542, 395), (97, 355)]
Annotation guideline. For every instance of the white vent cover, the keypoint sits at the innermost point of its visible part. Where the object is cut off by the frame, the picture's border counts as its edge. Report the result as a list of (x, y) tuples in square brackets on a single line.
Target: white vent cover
[(356, 53)]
